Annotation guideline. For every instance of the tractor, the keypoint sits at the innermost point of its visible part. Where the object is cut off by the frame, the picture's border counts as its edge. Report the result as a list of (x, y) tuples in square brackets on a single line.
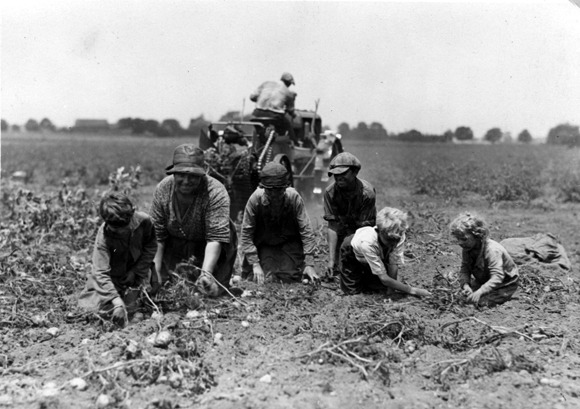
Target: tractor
[(236, 152)]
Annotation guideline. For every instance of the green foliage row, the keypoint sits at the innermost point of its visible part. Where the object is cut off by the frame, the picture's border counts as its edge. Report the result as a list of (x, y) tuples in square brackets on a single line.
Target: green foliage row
[(563, 134), (39, 230), (506, 182), (495, 172), (86, 160)]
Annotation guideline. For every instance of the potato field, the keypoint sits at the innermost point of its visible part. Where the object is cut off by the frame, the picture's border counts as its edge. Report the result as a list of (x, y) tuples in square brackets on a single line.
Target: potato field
[(292, 346)]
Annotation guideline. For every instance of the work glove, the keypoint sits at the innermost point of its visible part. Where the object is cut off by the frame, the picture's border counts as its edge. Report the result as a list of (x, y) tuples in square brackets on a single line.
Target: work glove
[(119, 315), (258, 274)]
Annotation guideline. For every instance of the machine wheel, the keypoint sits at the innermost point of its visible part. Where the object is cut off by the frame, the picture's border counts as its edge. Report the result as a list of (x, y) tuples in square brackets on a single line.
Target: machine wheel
[(285, 161)]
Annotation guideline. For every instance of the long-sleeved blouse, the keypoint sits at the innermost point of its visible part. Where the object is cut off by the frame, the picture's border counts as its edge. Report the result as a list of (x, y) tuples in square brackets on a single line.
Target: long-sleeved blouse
[(206, 219), (490, 265)]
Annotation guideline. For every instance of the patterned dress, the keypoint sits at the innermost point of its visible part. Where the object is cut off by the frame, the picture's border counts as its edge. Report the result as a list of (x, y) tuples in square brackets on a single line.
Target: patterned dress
[(205, 220)]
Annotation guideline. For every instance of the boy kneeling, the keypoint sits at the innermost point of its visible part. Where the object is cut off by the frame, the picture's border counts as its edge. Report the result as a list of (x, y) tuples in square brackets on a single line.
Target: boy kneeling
[(370, 258), (122, 259)]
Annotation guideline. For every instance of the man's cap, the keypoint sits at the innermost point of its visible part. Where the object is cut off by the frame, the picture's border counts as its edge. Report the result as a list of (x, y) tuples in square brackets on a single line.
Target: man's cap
[(187, 158), (274, 175), (343, 162), (287, 77)]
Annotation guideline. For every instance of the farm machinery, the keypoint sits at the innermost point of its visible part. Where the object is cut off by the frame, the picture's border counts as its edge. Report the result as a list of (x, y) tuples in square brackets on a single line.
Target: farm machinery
[(236, 152)]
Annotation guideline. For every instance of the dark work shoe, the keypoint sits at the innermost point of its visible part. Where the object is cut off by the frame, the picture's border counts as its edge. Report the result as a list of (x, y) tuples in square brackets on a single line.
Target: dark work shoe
[(236, 291)]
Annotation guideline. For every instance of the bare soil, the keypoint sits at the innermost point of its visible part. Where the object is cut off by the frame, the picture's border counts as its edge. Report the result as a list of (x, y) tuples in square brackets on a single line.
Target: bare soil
[(297, 346)]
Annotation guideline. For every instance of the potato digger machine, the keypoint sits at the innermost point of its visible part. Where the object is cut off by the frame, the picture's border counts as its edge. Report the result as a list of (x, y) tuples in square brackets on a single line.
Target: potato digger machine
[(236, 152)]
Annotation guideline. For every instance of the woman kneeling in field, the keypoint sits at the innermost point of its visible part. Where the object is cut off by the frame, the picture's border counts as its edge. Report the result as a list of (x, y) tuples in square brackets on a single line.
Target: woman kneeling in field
[(488, 274), (370, 258)]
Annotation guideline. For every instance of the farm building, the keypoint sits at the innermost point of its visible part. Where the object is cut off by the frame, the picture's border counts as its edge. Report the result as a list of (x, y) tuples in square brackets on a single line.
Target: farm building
[(91, 125)]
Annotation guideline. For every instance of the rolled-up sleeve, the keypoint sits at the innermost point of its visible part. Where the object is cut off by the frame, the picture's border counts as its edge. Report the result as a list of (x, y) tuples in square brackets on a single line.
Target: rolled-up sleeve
[(217, 217), (158, 212), (329, 212), (248, 230)]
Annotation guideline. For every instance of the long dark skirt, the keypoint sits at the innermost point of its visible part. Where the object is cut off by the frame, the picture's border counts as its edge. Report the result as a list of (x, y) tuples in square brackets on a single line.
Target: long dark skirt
[(179, 250)]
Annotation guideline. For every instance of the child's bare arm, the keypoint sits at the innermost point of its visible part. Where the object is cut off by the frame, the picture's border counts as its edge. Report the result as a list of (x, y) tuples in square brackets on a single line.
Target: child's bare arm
[(397, 285), (158, 259), (394, 284)]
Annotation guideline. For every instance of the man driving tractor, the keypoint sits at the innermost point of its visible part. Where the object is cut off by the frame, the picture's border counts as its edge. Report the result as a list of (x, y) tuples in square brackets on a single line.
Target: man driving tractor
[(276, 100)]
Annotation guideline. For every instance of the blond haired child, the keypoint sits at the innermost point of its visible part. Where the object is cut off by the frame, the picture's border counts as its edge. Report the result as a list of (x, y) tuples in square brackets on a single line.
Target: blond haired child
[(488, 275), (372, 255), (122, 259)]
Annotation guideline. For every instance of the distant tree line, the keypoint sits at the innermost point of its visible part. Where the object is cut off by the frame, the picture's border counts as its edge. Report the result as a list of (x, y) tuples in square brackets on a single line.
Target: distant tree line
[(165, 128), (563, 134)]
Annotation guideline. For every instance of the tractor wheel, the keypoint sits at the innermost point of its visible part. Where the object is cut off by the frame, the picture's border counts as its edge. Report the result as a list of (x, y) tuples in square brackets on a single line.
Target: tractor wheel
[(285, 161)]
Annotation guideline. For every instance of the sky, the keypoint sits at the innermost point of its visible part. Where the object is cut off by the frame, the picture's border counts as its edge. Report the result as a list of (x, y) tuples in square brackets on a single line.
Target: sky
[(429, 66)]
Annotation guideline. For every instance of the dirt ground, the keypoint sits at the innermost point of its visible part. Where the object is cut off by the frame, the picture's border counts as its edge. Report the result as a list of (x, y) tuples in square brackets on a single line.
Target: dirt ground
[(296, 346)]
